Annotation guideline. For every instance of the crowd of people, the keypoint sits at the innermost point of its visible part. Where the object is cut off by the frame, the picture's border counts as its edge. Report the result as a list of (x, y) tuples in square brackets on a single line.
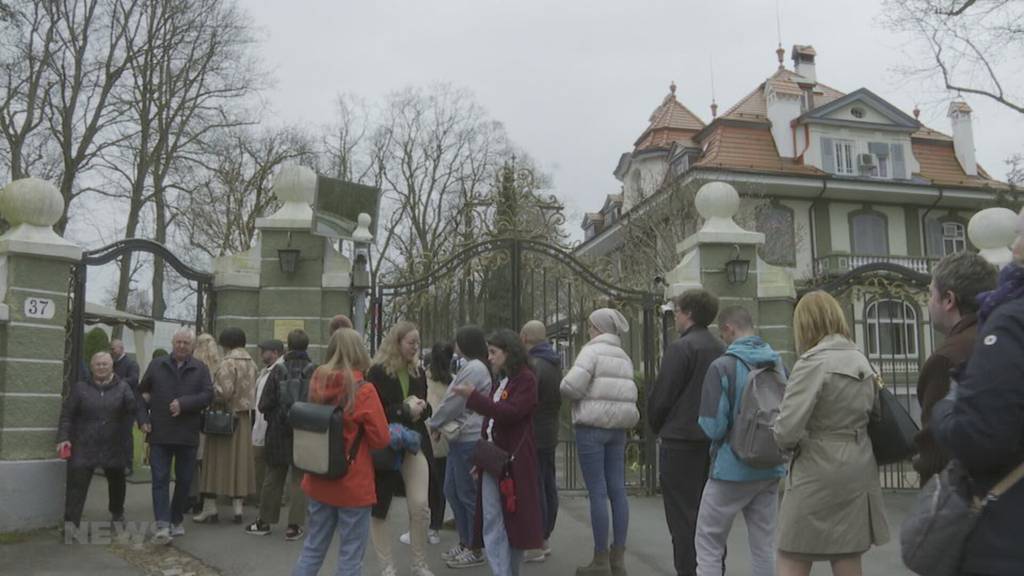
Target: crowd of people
[(474, 426)]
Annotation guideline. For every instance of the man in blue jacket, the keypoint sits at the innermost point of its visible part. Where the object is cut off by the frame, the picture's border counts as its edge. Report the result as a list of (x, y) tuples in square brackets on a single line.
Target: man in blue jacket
[(981, 422), (175, 389), (732, 485)]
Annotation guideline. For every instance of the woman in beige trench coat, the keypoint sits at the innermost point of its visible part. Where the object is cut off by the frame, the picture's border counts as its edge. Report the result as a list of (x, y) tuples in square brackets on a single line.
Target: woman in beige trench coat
[(832, 508)]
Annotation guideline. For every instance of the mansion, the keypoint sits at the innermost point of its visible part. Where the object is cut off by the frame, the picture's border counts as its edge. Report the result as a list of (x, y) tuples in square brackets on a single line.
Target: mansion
[(835, 180)]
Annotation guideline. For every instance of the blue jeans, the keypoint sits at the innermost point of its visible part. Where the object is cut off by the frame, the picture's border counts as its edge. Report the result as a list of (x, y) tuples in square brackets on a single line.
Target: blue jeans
[(160, 456), (353, 525), (460, 488), (503, 558), (602, 455)]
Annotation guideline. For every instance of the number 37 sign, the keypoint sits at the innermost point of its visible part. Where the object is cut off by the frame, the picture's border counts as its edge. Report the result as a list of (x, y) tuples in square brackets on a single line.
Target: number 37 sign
[(39, 308)]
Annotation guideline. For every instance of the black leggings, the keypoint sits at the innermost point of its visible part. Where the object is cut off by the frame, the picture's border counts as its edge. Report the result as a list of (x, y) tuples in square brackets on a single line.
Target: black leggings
[(79, 478), (435, 494)]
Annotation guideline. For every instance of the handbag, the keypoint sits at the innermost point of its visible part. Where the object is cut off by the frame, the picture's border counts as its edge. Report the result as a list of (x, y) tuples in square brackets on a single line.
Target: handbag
[(219, 422), (891, 428), (933, 536), (493, 459), (451, 430)]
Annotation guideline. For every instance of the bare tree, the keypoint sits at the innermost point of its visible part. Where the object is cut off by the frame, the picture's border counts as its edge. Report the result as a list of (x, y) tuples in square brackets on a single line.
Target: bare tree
[(967, 44), (232, 186), (87, 67), (29, 41)]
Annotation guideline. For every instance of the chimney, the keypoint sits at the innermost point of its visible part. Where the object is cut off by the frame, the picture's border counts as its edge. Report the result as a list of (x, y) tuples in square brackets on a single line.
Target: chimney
[(803, 61), (963, 136)]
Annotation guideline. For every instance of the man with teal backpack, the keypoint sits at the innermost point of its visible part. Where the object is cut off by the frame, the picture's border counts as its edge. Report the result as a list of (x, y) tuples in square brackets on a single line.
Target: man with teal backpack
[(739, 402)]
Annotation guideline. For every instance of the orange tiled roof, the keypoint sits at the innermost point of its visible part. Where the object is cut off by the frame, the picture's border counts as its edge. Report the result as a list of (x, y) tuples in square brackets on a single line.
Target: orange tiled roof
[(752, 148), (940, 166), (670, 122), (753, 106)]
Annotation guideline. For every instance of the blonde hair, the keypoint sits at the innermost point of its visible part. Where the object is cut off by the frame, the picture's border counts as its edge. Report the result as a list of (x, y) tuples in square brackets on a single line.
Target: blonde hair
[(208, 352), (390, 354), (818, 315), (345, 353)]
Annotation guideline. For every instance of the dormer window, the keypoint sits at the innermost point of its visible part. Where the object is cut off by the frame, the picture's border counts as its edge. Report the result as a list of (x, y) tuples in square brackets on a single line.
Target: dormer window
[(845, 157)]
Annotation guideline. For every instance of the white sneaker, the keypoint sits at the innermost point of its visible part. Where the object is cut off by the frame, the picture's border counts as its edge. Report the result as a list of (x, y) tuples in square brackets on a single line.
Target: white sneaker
[(421, 570), (536, 555), (389, 570), (162, 537), (452, 552), (177, 530), (434, 537), (404, 539), (467, 559)]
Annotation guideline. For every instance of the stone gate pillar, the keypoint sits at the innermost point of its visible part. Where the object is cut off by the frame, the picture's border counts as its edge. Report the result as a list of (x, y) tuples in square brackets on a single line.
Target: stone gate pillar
[(291, 279), (720, 245), (35, 266)]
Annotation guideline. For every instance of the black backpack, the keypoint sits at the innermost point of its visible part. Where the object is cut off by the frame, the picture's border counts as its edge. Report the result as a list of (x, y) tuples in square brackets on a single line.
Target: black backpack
[(293, 385)]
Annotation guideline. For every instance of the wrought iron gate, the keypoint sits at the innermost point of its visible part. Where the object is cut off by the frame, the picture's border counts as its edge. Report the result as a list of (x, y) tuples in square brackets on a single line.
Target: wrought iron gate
[(504, 282), (73, 347), (887, 304)]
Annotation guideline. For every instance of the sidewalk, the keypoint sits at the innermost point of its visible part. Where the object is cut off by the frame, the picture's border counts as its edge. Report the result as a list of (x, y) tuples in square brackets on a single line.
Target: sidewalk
[(226, 549)]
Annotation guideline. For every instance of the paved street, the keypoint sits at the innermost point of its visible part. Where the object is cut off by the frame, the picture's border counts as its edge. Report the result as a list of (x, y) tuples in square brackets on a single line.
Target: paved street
[(226, 550)]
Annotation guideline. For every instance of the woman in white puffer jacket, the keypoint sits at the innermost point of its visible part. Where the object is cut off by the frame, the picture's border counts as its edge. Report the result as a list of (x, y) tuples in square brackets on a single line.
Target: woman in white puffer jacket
[(603, 394)]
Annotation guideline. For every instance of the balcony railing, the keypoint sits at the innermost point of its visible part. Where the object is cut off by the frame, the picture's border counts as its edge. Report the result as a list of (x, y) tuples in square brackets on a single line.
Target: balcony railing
[(836, 264)]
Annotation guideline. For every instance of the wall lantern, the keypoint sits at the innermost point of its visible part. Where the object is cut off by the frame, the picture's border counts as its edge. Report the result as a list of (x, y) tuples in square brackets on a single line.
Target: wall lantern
[(737, 269), (289, 259)]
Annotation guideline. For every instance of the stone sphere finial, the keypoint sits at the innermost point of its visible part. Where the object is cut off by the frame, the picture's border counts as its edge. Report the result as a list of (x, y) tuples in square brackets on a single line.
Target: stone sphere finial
[(31, 201), (362, 231), (993, 230), (717, 200), (295, 183)]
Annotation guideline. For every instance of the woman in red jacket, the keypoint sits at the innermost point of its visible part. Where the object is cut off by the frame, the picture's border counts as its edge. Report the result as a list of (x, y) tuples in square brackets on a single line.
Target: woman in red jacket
[(508, 508), (344, 503)]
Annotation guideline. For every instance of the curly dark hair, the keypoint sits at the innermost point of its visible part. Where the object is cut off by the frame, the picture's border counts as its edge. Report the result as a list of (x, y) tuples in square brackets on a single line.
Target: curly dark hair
[(472, 343), (231, 337), (515, 353)]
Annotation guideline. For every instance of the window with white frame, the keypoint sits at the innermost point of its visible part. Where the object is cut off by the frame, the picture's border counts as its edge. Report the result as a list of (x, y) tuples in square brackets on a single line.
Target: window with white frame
[(891, 330), (845, 157), (954, 238)]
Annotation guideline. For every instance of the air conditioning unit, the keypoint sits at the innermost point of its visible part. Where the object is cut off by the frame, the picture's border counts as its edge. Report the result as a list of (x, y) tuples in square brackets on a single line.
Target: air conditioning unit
[(866, 160)]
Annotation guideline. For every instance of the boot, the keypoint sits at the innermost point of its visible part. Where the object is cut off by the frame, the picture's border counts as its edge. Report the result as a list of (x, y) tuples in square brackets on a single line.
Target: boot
[(617, 560), (209, 513), (599, 566), (236, 507)]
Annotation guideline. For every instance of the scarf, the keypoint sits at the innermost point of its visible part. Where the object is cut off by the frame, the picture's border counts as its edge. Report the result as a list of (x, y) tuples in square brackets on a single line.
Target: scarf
[(1010, 287)]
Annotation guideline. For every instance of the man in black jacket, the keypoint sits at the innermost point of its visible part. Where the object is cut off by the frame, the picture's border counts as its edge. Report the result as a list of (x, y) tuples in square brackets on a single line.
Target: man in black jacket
[(981, 422), (672, 409), (547, 365), (175, 390), (274, 403), (127, 370)]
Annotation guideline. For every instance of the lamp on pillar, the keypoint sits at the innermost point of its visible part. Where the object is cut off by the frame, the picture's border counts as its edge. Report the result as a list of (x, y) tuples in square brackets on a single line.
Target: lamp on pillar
[(361, 241), (289, 259), (737, 269)]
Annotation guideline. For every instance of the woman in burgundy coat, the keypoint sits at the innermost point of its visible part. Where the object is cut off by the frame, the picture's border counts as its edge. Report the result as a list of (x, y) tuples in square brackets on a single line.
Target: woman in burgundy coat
[(508, 525)]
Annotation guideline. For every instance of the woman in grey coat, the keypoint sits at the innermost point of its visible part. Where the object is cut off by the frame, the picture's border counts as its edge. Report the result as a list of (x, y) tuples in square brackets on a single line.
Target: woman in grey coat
[(94, 421), (832, 508)]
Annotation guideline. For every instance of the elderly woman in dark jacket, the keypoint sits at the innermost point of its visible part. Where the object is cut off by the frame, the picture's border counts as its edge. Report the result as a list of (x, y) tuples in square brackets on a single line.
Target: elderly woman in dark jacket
[(94, 420), (508, 524)]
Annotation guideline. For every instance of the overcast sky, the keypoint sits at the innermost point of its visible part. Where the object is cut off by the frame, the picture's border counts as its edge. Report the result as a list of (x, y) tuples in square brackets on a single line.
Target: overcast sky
[(574, 82)]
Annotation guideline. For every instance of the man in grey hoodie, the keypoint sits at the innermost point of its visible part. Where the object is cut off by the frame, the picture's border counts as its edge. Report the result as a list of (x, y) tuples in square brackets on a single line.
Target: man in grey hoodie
[(547, 366)]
